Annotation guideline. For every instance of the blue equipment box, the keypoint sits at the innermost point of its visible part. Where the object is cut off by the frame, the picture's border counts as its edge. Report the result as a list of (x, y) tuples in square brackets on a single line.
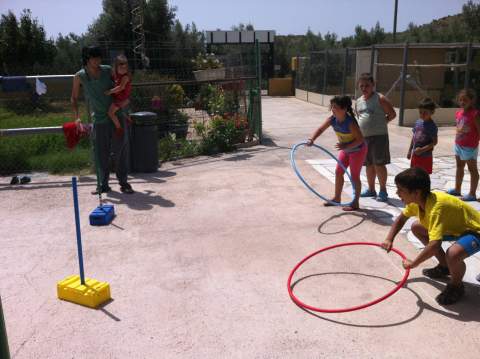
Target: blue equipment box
[(102, 215)]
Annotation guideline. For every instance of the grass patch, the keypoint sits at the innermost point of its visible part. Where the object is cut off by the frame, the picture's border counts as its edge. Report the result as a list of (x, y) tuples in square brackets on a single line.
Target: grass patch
[(45, 152)]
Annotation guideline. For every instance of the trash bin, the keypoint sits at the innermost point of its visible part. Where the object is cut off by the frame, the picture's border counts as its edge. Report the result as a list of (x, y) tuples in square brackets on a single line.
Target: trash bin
[(144, 142)]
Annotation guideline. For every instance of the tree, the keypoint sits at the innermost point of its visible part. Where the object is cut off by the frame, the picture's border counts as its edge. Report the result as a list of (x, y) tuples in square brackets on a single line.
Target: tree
[(471, 16), (68, 58), (242, 27), (361, 37), (414, 34), (377, 34), (113, 28), (24, 48)]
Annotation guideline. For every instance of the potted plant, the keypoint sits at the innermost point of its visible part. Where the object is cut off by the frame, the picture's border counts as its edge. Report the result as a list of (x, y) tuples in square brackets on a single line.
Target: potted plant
[(208, 67)]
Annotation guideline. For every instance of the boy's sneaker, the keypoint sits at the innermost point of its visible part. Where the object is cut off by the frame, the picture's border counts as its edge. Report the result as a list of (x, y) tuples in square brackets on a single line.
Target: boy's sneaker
[(451, 294), (436, 272), (368, 193), (382, 196)]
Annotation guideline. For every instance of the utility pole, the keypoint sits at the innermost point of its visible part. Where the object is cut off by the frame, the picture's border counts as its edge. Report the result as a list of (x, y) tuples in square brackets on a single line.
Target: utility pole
[(395, 21)]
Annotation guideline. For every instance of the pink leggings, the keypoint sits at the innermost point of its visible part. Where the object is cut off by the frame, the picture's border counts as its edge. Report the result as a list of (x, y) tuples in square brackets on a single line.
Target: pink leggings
[(353, 159)]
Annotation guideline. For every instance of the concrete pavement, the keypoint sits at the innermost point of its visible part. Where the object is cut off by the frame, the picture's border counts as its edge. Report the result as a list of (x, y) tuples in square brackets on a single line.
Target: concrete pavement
[(198, 260)]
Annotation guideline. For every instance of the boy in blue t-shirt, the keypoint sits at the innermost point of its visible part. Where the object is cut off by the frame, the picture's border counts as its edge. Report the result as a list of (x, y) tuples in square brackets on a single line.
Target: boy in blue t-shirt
[(424, 137)]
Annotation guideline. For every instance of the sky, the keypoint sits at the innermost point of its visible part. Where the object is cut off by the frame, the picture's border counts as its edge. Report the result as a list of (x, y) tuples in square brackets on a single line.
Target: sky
[(283, 16)]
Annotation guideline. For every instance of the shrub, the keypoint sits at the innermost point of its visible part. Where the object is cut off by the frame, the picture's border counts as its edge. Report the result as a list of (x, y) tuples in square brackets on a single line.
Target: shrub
[(206, 61)]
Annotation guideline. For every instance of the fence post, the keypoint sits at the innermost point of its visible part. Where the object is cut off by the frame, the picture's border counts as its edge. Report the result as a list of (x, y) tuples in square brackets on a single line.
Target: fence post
[(455, 73), (467, 69), (402, 83), (372, 59), (344, 77), (297, 77), (259, 84), (325, 74), (309, 63), (4, 352)]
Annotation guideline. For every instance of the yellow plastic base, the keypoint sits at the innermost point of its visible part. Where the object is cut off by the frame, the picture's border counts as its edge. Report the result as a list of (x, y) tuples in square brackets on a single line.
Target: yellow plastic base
[(92, 294)]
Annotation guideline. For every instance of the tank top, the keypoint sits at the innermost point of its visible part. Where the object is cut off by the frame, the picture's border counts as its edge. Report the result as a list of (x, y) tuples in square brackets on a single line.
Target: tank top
[(343, 132), (94, 90), (371, 116), (467, 134), (125, 93)]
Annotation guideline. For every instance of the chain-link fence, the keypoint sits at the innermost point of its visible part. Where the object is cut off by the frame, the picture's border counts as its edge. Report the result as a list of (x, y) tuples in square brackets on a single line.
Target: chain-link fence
[(197, 111), (328, 72), (405, 73)]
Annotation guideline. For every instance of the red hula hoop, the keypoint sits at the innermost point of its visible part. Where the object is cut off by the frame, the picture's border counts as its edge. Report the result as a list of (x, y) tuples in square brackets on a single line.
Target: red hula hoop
[(342, 310)]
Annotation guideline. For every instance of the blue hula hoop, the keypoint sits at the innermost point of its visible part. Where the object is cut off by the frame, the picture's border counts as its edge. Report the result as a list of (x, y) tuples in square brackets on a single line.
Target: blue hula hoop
[(294, 166)]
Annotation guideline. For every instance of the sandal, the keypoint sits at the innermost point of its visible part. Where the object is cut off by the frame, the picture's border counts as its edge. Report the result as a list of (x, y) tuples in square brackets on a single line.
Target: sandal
[(368, 193), (350, 208), (382, 196), (331, 203), (468, 198), (451, 294), (436, 272), (453, 192)]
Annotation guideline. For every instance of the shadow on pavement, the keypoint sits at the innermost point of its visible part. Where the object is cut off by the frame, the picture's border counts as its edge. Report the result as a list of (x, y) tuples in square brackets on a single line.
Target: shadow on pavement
[(378, 216), (465, 310), (140, 201), (156, 177), (375, 215), (323, 230), (421, 305), (106, 312)]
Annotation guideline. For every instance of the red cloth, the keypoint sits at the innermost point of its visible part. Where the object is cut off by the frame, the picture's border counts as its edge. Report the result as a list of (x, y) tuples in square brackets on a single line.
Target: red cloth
[(424, 163), (125, 93), (73, 133)]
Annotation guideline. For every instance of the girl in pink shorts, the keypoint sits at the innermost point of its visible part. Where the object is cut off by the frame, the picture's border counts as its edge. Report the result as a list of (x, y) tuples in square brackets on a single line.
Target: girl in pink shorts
[(351, 144), (466, 144)]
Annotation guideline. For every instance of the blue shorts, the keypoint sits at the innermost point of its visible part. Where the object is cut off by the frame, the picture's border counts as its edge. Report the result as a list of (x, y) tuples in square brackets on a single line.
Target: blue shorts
[(470, 242), (466, 153)]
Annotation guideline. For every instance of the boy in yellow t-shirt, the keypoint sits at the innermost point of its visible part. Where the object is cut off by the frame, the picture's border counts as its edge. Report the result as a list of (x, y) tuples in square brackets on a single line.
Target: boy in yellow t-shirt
[(441, 217)]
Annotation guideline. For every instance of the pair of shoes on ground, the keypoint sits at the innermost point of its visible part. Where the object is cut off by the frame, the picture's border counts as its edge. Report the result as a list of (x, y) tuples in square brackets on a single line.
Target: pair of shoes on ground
[(21, 180), (381, 197), (467, 198), (124, 188)]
